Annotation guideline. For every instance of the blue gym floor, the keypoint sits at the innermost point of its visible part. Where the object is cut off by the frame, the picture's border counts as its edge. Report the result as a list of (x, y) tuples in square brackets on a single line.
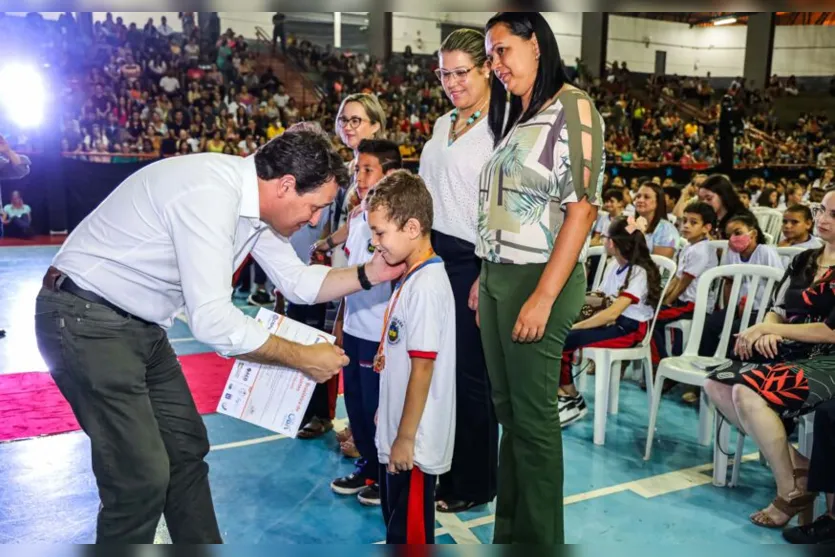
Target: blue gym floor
[(269, 490)]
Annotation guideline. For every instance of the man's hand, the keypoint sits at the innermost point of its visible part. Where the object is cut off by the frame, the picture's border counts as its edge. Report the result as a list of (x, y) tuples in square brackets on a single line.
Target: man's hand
[(402, 457), (378, 271), (319, 247), (322, 361)]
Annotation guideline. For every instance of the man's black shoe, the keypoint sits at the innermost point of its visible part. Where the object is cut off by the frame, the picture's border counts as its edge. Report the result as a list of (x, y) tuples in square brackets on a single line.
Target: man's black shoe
[(821, 531)]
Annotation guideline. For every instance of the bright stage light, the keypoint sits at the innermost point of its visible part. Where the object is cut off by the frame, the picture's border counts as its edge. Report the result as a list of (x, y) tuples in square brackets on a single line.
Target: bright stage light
[(23, 94), (724, 21)]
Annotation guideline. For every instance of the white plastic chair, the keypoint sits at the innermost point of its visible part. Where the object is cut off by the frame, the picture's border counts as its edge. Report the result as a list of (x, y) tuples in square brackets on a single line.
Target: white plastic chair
[(787, 254), (607, 383), (770, 220), (769, 239), (600, 252), (690, 368), (805, 435), (721, 246), (683, 325)]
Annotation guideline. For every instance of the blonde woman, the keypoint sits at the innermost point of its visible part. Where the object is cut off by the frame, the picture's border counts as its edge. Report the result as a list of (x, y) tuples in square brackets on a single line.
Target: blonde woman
[(450, 164), (360, 117)]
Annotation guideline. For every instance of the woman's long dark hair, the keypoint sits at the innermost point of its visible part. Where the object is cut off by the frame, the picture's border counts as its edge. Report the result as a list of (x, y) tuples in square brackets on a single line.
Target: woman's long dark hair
[(633, 248), (660, 205), (764, 201), (550, 77), (721, 185)]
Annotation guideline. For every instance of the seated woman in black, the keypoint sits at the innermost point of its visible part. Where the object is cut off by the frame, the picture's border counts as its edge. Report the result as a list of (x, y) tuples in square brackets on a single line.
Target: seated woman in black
[(787, 369)]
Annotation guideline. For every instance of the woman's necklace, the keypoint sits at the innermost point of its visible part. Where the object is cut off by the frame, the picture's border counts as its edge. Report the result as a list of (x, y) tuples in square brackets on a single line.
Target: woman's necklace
[(453, 135)]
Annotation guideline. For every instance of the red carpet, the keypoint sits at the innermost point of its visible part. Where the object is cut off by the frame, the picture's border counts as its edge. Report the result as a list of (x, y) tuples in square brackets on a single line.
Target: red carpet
[(35, 241), (31, 405)]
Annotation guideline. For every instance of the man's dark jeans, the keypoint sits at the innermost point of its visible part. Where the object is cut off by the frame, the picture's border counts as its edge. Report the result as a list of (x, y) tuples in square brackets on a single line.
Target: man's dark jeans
[(130, 396)]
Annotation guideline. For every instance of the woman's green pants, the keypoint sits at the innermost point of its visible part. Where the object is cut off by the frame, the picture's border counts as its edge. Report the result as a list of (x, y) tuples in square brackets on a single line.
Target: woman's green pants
[(525, 381)]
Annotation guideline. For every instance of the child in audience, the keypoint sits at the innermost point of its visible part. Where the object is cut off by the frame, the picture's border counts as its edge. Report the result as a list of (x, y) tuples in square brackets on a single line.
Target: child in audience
[(698, 222), (358, 324), (672, 194), (416, 360), (745, 198), (794, 196), (628, 296), (746, 244), (613, 204), (797, 228)]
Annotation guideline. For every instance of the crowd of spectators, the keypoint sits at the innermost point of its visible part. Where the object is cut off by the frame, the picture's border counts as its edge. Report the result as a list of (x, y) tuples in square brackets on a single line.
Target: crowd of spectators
[(138, 92)]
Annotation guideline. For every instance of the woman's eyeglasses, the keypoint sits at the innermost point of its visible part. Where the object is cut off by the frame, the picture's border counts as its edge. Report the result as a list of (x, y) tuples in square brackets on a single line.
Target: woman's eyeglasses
[(351, 123), (454, 75), (820, 211)]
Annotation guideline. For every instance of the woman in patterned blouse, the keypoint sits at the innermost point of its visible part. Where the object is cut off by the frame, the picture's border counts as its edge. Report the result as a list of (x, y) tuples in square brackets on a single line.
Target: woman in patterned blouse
[(538, 199)]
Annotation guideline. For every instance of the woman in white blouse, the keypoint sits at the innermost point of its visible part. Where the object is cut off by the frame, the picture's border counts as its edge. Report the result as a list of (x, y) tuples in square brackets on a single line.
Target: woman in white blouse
[(450, 165)]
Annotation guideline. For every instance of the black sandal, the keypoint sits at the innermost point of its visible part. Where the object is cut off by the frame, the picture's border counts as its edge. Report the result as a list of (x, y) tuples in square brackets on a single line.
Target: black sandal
[(454, 506)]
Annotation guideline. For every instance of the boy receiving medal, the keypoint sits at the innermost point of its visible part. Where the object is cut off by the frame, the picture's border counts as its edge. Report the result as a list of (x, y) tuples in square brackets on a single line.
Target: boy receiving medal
[(416, 361)]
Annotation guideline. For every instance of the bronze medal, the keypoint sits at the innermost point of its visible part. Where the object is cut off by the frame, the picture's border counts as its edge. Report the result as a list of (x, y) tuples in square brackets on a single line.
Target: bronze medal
[(379, 363)]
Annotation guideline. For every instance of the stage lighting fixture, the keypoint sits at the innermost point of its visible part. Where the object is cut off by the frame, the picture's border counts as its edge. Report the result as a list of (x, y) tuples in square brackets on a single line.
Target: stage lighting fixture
[(724, 21), (22, 94)]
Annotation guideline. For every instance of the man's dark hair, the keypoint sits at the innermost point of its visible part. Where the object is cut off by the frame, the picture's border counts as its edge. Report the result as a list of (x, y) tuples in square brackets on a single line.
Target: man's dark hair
[(305, 155), (704, 210), (387, 152)]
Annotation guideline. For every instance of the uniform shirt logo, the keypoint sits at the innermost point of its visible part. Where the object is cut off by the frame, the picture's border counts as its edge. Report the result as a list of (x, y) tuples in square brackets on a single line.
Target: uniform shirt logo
[(394, 330)]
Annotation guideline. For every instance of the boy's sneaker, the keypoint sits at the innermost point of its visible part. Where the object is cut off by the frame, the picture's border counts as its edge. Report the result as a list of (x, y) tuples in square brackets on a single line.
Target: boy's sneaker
[(572, 408), (349, 485), (260, 298), (370, 496)]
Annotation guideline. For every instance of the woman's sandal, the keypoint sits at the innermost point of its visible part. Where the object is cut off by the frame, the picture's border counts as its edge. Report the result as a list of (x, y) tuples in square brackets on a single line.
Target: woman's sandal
[(349, 449), (802, 505), (344, 435), (316, 427), (453, 506)]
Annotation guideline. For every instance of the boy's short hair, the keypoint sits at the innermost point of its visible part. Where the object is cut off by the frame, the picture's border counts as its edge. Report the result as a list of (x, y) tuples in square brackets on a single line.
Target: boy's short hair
[(705, 211), (387, 152), (613, 193), (404, 196), (801, 210), (673, 192)]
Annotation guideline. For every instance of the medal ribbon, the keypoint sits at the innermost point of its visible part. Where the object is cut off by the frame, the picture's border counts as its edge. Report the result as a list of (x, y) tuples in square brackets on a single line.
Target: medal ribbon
[(379, 361)]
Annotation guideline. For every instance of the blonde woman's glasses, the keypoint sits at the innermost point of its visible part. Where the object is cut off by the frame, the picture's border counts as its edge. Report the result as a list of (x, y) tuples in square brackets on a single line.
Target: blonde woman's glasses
[(454, 75), (351, 123)]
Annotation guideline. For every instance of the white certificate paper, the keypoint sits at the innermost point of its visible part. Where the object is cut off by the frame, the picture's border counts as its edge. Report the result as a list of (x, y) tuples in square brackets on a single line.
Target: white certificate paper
[(272, 397)]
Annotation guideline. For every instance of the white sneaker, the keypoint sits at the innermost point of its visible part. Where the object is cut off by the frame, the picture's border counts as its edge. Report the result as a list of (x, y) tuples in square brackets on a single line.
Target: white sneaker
[(572, 408)]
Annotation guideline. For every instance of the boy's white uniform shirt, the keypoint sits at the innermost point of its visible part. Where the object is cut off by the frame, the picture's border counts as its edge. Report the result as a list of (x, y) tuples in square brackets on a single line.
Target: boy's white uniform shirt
[(421, 325)]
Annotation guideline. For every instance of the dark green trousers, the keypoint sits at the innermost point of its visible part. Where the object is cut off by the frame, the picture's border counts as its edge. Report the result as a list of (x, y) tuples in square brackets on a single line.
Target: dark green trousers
[(525, 381)]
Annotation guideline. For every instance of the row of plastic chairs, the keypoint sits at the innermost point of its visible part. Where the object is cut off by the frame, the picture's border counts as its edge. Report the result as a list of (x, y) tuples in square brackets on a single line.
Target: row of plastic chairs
[(607, 383), (690, 368)]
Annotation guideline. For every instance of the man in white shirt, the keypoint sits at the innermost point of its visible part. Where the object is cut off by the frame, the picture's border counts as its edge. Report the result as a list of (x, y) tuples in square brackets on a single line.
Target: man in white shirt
[(168, 239), (169, 83), (164, 29)]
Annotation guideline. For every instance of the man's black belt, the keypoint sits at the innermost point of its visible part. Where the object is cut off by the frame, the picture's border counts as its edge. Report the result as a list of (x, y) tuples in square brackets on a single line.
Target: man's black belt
[(57, 281)]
